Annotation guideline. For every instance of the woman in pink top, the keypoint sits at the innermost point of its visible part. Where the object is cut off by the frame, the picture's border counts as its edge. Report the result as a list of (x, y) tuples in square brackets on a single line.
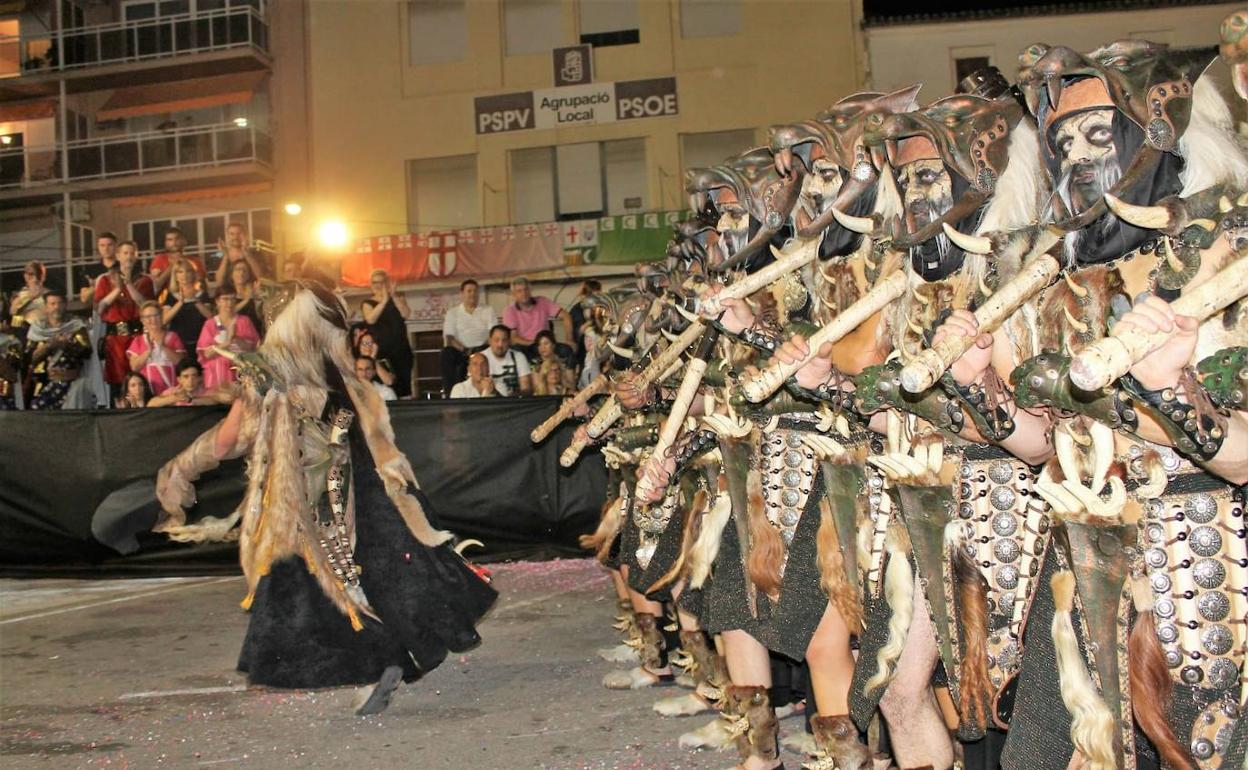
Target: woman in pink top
[(227, 330), (156, 352)]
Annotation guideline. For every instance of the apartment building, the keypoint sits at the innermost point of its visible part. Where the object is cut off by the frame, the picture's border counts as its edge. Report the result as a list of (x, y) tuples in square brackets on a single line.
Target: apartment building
[(938, 44), (135, 116)]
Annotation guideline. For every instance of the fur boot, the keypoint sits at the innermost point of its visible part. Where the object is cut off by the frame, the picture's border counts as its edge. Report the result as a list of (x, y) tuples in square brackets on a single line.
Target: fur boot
[(752, 721), (709, 673), (652, 656), (839, 747)]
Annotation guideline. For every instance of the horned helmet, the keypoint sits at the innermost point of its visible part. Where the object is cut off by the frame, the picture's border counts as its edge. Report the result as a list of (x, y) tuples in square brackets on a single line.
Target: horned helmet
[(750, 203), (1111, 122), (947, 158), (836, 167)]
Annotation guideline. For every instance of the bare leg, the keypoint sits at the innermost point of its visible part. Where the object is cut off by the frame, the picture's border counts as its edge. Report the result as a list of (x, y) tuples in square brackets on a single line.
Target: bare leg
[(916, 728), (831, 664), (621, 589)]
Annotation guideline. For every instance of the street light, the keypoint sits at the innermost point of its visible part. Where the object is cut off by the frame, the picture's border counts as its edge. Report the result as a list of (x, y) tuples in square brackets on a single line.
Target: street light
[(333, 234), (293, 209)]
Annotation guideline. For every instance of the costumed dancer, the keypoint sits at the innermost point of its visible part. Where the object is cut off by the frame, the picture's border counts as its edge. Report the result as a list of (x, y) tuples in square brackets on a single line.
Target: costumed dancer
[(1145, 595), (57, 348), (349, 581)]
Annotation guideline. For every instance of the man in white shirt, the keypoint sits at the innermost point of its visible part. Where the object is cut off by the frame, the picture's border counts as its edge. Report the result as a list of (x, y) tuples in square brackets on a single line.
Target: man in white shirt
[(465, 330), (479, 383), (366, 371), (508, 369)]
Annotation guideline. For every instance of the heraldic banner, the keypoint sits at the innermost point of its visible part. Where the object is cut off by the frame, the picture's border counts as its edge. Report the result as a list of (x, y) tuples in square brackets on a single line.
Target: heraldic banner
[(511, 249)]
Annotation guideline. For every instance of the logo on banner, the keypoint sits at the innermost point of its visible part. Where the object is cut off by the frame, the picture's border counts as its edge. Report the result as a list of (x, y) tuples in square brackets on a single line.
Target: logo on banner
[(442, 254), (573, 65)]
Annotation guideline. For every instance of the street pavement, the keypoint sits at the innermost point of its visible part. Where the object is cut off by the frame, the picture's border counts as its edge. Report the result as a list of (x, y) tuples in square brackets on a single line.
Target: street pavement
[(140, 673)]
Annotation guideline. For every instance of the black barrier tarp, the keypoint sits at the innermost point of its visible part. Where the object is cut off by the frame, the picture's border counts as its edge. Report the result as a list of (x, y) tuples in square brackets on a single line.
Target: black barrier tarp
[(473, 459)]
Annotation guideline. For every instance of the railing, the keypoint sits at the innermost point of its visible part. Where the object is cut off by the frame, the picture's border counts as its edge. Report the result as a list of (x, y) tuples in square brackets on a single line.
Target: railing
[(135, 154), (140, 40)]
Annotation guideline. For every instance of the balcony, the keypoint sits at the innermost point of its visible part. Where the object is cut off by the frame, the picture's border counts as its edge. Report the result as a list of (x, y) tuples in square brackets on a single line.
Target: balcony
[(107, 55), (107, 162)]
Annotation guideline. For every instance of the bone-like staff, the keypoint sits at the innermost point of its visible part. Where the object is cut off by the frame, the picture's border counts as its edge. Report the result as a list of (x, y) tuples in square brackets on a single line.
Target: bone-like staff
[(1109, 358), (759, 386), (694, 369), (608, 414), (611, 411), (927, 367), (566, 409), (787, 260)]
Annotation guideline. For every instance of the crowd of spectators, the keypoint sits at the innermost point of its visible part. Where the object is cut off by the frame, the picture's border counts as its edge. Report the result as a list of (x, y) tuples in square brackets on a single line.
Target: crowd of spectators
[(166, 336)]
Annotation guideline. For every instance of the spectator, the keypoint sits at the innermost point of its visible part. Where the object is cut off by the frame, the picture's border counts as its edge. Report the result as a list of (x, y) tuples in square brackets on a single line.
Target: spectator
[(386, 315), (225, 331), (508, 368), (593, 336), (191, 391), (27, 304), (366, 371), (479, 383), (366, 345), (555, 373), (106, 250), (527, 315), (244, 282), (118, 294), (186, 305), (162, 264), (465, 330), (236, 249), (57, 346), (299, 267), (10, 365), (135, 392), (156, 352), (579, 317)]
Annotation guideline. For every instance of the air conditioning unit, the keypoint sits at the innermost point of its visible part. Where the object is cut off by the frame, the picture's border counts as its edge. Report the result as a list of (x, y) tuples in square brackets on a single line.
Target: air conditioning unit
[(79, 210)]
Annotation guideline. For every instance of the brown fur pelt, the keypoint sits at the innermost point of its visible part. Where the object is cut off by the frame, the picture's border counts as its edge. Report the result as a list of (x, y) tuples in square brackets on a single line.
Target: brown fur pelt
[(689, 535), (608, 527), (840, 588), (766, 547), (752, 704), (1102, 283), (974, 684), (705, 547), (1151, 688), (651, 649)]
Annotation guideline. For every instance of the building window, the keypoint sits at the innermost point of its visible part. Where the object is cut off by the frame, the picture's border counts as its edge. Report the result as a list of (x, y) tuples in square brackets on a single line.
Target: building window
[(437, 31), (714, 147), (532, 26), (966, 66), (531, 180), (609, 22), (625, 176), (710, 18), (578, 181), (442, 193)]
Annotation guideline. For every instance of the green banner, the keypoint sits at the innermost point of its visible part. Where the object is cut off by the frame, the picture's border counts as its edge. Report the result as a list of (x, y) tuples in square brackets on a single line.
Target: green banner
[(632, 238)]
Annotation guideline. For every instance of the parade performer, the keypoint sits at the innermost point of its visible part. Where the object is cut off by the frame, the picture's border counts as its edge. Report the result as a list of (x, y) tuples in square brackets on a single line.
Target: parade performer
[(1145, 597), (349, 581), (57, 348)]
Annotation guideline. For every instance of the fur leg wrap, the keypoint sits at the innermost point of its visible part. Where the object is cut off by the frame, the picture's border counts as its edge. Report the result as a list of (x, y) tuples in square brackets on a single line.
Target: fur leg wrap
[(651, 649), (1092, 729), (839, 748), (975, 685), (753, 722), (709, 669)]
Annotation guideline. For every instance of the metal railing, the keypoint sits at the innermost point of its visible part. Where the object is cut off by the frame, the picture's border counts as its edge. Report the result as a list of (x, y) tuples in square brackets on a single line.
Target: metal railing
[(139, 40), (135, 154)]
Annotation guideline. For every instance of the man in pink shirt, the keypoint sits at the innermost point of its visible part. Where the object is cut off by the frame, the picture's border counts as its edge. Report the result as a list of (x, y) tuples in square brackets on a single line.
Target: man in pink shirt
[(527, 315)]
